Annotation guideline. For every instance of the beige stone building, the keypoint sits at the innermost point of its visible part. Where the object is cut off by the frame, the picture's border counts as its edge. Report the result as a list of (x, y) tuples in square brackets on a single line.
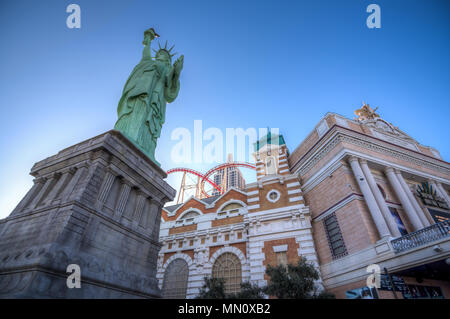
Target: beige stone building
[(359, 198)]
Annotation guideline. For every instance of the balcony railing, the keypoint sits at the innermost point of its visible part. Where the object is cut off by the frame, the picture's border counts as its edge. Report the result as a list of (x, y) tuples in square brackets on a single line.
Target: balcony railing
[(422, 237)]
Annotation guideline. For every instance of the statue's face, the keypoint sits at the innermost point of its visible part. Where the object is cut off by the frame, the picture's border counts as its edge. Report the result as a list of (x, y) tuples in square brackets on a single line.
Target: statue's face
[(163, 56)]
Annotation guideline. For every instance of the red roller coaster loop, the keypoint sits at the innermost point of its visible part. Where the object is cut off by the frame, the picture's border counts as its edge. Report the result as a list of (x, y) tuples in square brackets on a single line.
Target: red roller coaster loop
[(196, 173)]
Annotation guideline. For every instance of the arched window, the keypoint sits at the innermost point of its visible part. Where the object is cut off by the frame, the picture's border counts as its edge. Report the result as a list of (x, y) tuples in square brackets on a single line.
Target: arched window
[(228, 267), (231, 208), (271, 167), (176, 279), (188, 217)]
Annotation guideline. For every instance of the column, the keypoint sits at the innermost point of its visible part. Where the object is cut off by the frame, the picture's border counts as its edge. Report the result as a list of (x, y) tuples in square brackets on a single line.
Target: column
[(440, 191), (380, 199), (155, 218), (370, 199), (38, 182), (67, 192), (444, 192), (140, 204), (42, 192), (407, 206), (412, 199), (59, 185), (108, 180), (123, 197)]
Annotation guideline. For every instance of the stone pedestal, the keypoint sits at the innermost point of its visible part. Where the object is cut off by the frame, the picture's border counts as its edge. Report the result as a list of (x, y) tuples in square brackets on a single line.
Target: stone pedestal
[(96, 204)]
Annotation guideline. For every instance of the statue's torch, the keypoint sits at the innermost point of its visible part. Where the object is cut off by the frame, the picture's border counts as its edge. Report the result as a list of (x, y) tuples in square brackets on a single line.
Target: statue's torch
[(149, 35)]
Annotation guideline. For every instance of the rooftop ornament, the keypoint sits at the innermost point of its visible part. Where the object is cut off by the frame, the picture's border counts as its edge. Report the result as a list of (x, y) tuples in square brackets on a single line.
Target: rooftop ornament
[(366, 113)]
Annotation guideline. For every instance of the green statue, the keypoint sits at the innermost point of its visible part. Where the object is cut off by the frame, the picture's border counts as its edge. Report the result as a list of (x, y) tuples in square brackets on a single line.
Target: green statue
[(142, 107)]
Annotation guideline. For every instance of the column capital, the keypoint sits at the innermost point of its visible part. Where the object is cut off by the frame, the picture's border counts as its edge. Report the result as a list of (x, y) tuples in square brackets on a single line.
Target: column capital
[(363, 161), (109, 169), (389, 169), (70, 170), (81, 165), (352, 158), (55, 175), (39, 180), (127, 182), (140, 192)]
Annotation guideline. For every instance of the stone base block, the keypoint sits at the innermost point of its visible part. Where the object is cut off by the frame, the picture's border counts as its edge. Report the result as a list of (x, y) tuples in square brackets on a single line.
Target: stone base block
[(96, 205)]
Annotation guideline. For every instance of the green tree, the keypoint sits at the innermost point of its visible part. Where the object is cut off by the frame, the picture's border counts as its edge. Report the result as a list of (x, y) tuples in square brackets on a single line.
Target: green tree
[(294, 281), (248, 291), (213, 288), (286, 282)]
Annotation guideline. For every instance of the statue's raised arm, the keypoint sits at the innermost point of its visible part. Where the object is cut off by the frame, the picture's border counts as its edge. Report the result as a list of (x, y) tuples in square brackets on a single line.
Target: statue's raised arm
[(149, 36)]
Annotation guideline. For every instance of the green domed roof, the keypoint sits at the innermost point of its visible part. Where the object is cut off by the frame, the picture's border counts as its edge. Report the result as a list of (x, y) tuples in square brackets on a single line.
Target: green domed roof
[(269, 138)]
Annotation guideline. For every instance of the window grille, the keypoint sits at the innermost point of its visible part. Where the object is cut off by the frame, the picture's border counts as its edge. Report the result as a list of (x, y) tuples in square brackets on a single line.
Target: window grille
[(228, 267), (176, 279), (334, 235)]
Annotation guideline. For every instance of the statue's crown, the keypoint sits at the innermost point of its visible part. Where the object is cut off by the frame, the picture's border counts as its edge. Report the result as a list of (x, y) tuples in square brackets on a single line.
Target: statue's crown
[(168, 51)]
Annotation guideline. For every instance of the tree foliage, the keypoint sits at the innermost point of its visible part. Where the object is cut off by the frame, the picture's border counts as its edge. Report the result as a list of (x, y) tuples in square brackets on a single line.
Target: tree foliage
[(294, 281), (249, 291), (213, 288)]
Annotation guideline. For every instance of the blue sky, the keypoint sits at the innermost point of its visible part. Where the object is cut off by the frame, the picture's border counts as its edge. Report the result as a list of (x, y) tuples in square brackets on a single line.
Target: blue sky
[(249, 63)]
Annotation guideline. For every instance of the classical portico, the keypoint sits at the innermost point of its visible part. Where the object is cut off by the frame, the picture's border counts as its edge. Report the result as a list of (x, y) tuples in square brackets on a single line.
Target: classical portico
[(377, 196), (379, 211)]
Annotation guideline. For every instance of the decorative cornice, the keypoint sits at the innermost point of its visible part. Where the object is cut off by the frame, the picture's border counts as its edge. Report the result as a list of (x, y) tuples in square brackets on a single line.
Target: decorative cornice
[(371, 143)]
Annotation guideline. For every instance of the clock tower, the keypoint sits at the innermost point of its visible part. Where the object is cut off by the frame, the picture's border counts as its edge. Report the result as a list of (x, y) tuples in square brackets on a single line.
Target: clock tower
[(271, 156)]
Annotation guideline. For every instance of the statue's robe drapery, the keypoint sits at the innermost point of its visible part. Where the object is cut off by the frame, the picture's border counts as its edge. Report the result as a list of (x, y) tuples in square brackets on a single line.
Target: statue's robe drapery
[(142, 107)]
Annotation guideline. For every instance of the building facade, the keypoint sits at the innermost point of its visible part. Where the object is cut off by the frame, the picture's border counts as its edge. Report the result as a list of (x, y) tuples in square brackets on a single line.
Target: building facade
[(359, 198)]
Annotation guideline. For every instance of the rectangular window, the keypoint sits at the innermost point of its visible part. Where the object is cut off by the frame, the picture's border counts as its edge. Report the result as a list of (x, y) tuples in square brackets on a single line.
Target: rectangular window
[(335, 239), (282, 258), (401, 227)]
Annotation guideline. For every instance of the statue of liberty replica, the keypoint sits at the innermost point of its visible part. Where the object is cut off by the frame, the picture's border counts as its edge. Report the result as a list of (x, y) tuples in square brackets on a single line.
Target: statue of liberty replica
[(89, 226), (152, 83)]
